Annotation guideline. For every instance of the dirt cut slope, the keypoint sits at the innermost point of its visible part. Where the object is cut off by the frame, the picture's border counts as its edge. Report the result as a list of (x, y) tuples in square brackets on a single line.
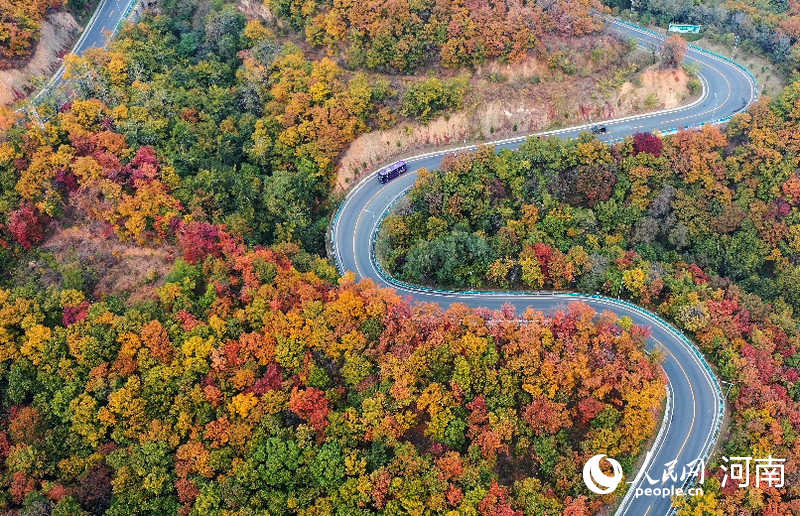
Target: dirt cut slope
[(57, 35)]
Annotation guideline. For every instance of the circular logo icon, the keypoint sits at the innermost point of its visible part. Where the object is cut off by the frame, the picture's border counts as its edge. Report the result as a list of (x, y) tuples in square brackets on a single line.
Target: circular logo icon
[(597, 481)]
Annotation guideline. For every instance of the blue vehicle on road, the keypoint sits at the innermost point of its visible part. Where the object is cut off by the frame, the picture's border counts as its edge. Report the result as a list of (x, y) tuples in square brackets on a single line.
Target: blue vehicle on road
[(392, 171)]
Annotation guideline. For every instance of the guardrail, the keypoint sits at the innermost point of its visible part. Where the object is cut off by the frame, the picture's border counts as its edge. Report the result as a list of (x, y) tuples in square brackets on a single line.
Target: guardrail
[(125, 15), (668, 406), (332, 236), (675, 332), (674, 130)]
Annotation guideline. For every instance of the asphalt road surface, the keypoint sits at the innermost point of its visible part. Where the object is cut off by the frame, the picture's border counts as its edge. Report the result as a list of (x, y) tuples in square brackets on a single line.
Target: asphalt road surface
[(690, 426)]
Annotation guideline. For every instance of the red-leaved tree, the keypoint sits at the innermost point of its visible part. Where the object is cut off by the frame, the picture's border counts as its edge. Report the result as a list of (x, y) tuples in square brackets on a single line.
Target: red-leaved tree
[(27, 225), (198, 240), (311, 405), (647, 142), (674, 50)]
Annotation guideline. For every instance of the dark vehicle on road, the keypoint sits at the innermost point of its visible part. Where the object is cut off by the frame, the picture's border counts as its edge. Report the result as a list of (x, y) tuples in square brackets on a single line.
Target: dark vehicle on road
[(599, 129), (392, 171)]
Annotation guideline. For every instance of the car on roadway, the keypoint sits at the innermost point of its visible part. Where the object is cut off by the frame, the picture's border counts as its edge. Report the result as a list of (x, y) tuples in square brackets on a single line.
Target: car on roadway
[(599, 129), (392, 171)]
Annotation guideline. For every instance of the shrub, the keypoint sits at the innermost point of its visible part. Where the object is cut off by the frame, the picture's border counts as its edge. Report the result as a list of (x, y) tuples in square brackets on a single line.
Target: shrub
[(694, 86), (426, 99), (20, 22)]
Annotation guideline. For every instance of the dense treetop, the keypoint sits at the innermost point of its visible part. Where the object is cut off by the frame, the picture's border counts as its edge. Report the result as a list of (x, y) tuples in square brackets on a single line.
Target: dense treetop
[(254, 384), (249, 124), (252, 378), (401, 36), (250, 381)]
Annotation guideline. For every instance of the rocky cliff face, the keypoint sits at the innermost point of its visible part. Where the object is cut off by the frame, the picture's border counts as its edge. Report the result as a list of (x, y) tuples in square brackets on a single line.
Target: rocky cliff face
[(256, 9)]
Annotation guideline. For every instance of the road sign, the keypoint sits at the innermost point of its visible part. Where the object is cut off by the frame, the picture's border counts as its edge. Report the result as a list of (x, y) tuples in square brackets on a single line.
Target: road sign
[(684, 29)]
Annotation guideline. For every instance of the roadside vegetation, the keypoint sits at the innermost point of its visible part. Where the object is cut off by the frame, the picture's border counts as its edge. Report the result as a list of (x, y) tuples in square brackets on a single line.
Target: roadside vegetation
[(592, 78), (428, 98), (20, 23), (701, 227), (19, 28)]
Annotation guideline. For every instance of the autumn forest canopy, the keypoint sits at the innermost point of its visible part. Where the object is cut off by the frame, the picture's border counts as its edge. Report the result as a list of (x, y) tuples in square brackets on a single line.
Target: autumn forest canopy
[(174, 340), (701, 227), (402, 36)]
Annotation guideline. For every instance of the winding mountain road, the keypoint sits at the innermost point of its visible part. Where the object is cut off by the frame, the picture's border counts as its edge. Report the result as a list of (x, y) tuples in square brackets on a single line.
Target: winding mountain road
[(695, 406), (104, 23)]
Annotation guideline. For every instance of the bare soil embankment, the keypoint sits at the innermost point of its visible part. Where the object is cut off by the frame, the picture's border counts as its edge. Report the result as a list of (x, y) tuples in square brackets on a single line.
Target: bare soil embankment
[(514, 108), (58, 33)]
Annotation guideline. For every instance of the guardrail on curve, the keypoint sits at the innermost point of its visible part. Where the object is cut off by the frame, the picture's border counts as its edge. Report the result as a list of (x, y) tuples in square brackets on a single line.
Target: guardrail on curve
[(720, 399), (718, 416)]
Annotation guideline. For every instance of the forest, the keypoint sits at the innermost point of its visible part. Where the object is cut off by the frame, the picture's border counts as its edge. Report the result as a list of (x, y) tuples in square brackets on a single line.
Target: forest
[(250, 122), (253, 383), (252, 367), (703, 227), (245, 375), (402, 36)]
